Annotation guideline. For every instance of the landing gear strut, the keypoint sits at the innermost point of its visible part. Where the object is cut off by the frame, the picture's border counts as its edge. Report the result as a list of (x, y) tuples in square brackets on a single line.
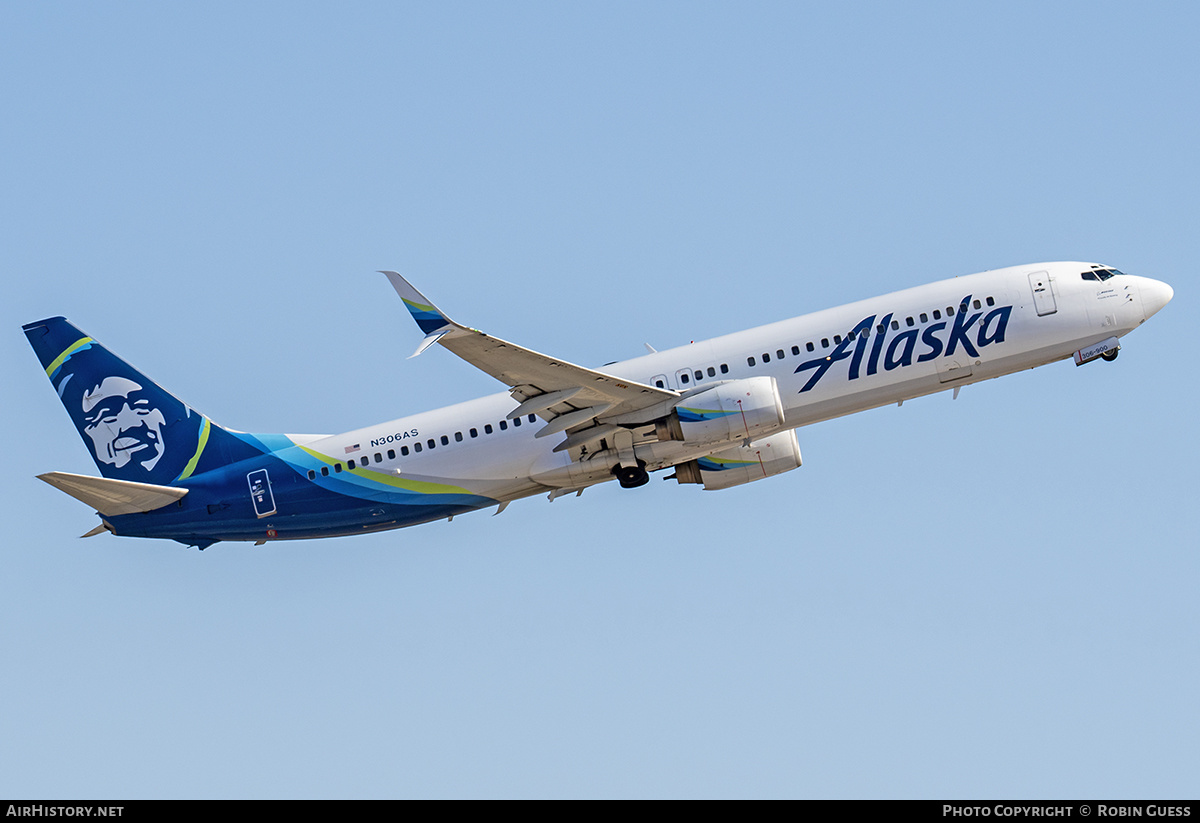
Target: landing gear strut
[(630, 477)]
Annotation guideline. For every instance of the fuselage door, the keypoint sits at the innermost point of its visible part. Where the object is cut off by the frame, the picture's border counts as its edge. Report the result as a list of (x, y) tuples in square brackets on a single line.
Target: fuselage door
[(1043, 295), (260, 493)]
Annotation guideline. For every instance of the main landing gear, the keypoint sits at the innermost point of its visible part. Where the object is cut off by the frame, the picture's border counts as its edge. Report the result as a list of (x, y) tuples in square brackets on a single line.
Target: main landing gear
[(630, 477), (1111, 355)]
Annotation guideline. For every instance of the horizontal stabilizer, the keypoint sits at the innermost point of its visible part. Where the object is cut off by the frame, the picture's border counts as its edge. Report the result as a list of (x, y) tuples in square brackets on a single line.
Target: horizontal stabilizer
[(112, 497)]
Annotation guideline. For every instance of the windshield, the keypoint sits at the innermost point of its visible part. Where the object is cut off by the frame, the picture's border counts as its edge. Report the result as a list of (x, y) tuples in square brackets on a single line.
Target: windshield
[(1100, 274)]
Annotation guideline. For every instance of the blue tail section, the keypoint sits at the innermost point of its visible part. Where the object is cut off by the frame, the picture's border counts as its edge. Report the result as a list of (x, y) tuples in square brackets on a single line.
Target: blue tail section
[(134, 429)]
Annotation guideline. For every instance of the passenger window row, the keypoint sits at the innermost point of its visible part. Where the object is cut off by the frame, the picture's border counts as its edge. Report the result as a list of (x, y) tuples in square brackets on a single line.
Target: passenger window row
[(417, 447), (879, 329), (685, 378)]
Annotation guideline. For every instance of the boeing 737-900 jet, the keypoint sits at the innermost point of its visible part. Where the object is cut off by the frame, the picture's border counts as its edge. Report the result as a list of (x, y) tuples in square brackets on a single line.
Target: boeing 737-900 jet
[(719, 413)]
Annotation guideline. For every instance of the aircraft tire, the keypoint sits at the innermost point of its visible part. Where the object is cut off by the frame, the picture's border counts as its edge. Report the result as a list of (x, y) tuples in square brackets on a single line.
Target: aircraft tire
[(1111, 355), (632, 477)]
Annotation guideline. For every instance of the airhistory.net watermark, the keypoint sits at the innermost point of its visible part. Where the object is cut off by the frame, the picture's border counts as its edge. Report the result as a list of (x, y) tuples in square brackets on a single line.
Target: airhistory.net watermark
[(41, 810)]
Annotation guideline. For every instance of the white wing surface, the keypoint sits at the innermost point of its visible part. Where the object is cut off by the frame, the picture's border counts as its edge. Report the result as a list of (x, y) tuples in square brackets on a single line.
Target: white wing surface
[(567, 396)]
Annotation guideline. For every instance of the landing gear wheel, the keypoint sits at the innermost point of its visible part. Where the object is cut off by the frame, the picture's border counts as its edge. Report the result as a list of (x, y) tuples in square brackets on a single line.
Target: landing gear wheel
[(1111, 355), (630, 477)]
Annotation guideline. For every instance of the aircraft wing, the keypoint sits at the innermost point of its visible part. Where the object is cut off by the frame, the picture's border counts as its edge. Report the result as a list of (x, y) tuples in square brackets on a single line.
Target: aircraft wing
[(565, 395)]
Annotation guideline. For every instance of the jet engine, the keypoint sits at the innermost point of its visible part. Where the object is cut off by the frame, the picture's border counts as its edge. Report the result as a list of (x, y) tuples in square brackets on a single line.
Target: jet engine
[(736, 410), (743, 464)]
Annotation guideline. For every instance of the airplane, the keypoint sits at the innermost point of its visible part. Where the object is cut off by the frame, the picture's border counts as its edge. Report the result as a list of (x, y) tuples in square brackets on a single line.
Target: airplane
[(719, 413)]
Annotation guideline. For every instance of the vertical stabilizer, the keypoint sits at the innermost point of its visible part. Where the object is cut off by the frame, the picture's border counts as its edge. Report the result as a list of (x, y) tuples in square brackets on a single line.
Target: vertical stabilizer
[(134, 429)]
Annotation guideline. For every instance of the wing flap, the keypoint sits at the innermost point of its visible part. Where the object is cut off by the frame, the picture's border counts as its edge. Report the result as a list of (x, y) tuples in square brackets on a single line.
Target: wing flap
[(112, 497)]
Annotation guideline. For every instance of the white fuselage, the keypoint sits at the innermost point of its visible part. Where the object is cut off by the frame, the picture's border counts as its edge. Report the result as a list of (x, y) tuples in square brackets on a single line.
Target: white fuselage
[(916, 342)]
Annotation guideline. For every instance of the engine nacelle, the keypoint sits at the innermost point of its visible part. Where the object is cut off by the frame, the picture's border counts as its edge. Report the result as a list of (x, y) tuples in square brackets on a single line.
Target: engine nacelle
[(725, 469), (735, 410)]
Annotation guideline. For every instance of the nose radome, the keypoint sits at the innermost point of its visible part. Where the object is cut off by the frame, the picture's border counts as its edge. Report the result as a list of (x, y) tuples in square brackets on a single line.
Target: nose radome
[(1155, 295)]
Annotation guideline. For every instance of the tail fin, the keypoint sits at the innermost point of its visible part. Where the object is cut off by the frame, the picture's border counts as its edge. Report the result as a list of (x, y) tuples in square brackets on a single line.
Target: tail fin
[(135, 430)]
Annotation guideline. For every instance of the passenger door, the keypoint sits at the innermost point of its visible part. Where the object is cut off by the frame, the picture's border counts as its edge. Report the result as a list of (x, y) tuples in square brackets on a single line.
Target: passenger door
[(1043, 294), (260, 493)]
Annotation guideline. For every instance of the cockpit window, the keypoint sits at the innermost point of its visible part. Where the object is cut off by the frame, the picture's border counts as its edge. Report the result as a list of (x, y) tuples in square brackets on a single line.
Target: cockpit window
[(1100, 274)]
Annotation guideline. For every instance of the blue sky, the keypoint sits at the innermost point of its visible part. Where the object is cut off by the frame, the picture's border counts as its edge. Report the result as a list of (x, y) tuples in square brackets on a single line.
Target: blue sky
[(990, 596)]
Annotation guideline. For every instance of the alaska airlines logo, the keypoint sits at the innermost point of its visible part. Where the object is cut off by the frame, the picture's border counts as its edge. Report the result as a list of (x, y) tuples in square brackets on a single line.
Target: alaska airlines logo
[(123, 423), (900, 349)]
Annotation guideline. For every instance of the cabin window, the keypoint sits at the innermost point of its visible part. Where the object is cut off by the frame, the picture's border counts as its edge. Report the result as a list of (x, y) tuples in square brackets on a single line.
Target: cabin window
[(712, 372), (516, 421), (324, 471), (937, 315), (749, 361), (779, 354), (366, 460), (392, 453), (503, 425), (337, 467), (809, 346), (417, 448), (837, 340), (977, 305), (766, 357), (458, 437), (699, 375), (895, 325), (445, 440), (795, 350), (908, 321), (949, 311), (850, 336), (991, 301), (924, 317), (487, 428), (403, 451), (312, 475), (351, 465), (431, 443), (659, 383), (533, 418), (724, 369), (683, 378), (378, 457), (474, 432), (880, 329)]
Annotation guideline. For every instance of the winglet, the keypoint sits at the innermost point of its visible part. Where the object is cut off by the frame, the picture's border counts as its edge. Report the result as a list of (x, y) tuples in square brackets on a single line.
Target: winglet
[(429, 340), (429, 317)]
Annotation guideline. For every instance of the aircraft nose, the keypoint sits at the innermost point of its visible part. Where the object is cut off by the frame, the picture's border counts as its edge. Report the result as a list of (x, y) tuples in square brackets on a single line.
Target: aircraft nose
[(1155, 295)]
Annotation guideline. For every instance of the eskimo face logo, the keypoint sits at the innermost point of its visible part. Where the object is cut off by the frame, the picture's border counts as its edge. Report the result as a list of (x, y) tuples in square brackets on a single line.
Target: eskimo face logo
[(122, 424)]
